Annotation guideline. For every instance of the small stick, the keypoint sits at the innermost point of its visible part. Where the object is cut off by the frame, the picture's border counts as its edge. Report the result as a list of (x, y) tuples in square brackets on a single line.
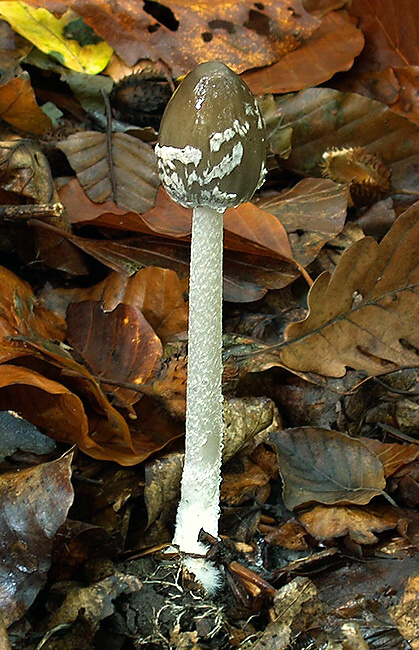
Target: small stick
[(12, 212)]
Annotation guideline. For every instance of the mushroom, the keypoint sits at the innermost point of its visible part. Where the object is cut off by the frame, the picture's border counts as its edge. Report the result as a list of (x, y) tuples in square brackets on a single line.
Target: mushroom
[(211, 156)]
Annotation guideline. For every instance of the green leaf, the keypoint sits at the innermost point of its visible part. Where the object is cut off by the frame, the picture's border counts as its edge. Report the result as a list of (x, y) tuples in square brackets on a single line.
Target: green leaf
[(49, 34)]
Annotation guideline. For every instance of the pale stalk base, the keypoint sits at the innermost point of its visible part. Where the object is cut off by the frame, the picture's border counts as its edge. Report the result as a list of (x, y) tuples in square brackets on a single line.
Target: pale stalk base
[(200, 496)]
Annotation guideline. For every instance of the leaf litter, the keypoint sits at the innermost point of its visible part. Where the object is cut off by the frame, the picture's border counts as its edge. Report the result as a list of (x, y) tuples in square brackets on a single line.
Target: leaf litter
[(320, 491)]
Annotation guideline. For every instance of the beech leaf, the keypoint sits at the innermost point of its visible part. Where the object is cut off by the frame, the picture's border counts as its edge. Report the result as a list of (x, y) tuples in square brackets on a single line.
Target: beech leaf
[(118, 345), (322, 118), (365, 315), (325, 466), (132, 179), (330, 49), (33, 504), (18, 105), (326, 522)]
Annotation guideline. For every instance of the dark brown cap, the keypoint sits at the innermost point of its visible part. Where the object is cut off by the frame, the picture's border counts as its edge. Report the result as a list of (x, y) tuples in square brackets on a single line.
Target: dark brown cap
[(212, 143)]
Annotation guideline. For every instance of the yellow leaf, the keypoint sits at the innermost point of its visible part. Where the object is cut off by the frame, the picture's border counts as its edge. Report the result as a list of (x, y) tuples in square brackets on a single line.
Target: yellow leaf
[(40, 27)]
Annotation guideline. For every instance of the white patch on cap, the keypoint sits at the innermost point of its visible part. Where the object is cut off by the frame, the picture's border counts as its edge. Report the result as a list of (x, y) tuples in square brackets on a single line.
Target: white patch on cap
[(220, 137), (200, 91), (226, 165), (249, 109), (186, 156)]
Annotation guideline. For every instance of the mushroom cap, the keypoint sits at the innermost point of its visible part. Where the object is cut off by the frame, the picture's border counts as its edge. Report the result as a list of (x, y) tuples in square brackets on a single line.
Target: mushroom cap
[(211, 148)]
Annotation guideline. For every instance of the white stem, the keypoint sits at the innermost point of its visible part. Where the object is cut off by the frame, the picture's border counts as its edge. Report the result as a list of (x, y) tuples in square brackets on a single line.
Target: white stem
[(199, 504)]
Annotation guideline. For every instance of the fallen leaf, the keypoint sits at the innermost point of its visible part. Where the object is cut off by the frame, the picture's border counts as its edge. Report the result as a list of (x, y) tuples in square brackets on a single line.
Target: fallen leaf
[(322, 118), (157, 293), (185, 34), (95, 600), (130, 179), (18, 105), (242, 480), (18, 433), (247, 277), (330, 49), (312, 213), (325, 466), (48, 33), (252, 224), (405, 614), (390, 32), (364, 315), (393, 455), (396, 87), (325, 523), (33, 504), (118, 345), (165, 217), (22, 314), (289, 535)]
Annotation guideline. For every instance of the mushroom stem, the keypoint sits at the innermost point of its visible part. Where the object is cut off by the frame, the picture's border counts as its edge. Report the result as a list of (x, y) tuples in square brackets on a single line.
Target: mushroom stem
[(200, 490)]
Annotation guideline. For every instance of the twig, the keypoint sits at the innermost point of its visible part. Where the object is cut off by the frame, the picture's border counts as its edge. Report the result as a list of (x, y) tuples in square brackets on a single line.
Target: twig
[(12, 212), (109, 144)]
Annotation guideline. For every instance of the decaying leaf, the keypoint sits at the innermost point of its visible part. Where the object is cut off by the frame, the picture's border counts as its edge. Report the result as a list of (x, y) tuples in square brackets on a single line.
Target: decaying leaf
[(322, 118), (96, 600), (365, 315), (325, 466), (184, 34), (117, 345), (158, 293), (327, 522), (126, 173), (53, 36), (406, 613), (33, 504), (18, 105), (312, 213), (330, 49), (392, 455), (22, 314), (18, 433)]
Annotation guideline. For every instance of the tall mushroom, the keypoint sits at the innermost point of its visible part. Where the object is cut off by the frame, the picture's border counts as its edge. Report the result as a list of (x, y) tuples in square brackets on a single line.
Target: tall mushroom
[(211, 152)]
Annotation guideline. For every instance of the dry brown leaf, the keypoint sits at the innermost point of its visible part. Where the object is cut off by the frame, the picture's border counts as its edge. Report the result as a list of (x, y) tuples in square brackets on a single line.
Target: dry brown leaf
[(22, 315), (365, 315), (324, 466), (117, 345), (18, 106), (325, 522), (312, 213), (25, 171), (33, 504), (157, 293), (242, 481), (392, 455), (406, 613), (396, 87), (390, 28), (330, 49), (126, 173), (183, 33), (250, 223), (322, 118), (388, 67), (165, 217)]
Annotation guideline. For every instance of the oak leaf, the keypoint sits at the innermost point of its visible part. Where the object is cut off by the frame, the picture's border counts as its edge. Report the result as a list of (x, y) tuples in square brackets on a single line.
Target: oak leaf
[(365, 315)]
